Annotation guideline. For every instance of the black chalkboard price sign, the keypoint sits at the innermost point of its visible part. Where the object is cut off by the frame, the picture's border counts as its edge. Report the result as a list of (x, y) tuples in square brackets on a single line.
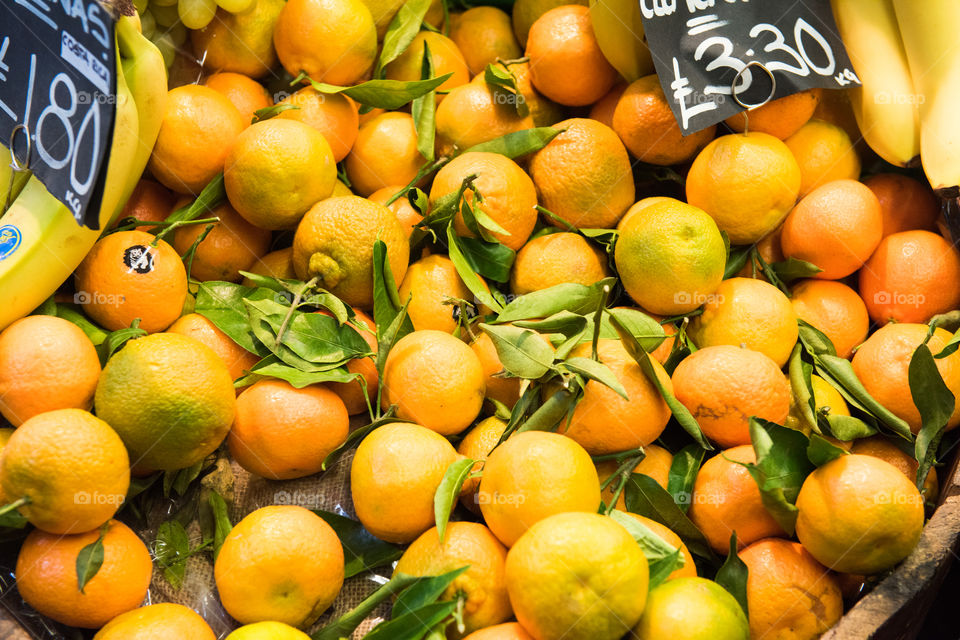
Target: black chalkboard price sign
[(711, 53), (58, 85)]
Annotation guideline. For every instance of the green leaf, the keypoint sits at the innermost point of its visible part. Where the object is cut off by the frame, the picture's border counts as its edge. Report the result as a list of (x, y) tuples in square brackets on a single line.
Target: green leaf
[(313, 337), (518, 143), (782, 466), (386, 300), (492, 260), (273, 367), (390, 415), (502, 80), (90, 559), (221, 521), (179, 480), (403, 28), (344, 626), (575, 298), (792, 269), (594, 370), (528, 402), (736, 260), (606, 238), (815, 341), (271, 112), (389, 336), (361, 550), (839, 372), (412, 625), (209, 199), (680, 412), (549, 415), (733, 575), (647, 331), (660, 570), (848, 428), (115, 341), (935, 402), (683, 473), (96, 333), (951, 347), (13, 520), (476, 218), (424, 108), (476, 285), (654, 547), (380, 94), (799, 372), (523, 353), (222, 303), (425, 592), (820, 451), (274, 284), (662, 558), (171, 549), (447, 493), (644, 496), (564, 322), (47, 308)]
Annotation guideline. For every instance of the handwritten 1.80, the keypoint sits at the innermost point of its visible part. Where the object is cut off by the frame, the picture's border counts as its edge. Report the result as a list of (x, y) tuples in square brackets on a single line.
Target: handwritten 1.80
[(56, 121), (718, 52)]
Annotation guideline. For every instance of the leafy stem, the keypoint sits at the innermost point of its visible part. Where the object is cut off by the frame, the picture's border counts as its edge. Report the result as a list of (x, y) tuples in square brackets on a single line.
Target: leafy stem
[(16, 504), (598, 321), (173, 226), (297, 298)]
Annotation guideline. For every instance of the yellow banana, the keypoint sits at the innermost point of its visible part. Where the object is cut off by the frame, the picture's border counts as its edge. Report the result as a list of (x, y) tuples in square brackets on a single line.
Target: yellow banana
[(929, 35), (19, 180), (618, 27), (146, 76), (40, 241), (886, 105)]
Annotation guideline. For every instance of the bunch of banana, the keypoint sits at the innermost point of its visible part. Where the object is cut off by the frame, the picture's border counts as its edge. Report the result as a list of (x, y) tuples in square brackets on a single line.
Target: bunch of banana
[(929, 35), (51, 243), (907, 55), (886, 105)]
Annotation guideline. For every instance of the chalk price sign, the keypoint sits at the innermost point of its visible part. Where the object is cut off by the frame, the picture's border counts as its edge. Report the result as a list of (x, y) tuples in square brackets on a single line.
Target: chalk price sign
[(58, 85), (710, 53)]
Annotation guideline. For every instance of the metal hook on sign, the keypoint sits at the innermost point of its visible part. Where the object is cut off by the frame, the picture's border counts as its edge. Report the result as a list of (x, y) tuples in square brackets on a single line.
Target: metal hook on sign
[(747, 106), (736, 79), (15, 163), (14, 160)]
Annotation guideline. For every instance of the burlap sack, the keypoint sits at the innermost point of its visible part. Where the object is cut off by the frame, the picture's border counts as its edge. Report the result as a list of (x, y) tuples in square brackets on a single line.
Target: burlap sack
[(329, 491)]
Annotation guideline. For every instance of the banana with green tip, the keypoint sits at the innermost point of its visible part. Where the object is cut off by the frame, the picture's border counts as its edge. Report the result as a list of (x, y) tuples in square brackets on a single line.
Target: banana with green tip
[(929, 32), (886, 105)]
